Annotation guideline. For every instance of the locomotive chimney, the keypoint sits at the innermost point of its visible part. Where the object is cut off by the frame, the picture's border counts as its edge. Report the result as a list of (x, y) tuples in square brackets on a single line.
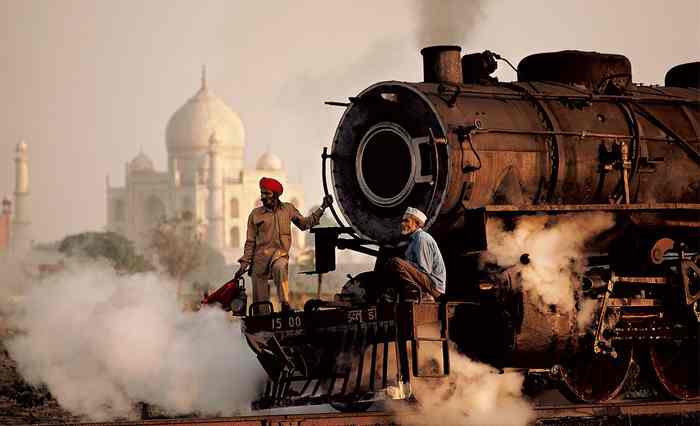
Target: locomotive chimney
[(441, 64)]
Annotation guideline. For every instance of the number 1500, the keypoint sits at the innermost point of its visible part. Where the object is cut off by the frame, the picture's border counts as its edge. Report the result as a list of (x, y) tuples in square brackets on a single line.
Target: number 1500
[(292, 322)]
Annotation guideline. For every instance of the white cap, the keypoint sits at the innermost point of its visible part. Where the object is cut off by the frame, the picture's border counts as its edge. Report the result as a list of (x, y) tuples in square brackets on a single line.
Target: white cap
[(416, 213)]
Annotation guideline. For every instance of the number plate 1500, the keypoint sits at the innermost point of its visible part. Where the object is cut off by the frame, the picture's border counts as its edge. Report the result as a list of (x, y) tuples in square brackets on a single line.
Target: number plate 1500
[(287, 323)]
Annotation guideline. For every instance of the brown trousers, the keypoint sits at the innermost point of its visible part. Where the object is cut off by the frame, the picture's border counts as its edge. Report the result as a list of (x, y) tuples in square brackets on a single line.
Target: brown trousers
[(279, 270), (407, 273)]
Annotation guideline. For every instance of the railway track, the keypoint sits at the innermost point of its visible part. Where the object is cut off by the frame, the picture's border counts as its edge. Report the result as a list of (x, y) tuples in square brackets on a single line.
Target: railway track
[(669, 412)]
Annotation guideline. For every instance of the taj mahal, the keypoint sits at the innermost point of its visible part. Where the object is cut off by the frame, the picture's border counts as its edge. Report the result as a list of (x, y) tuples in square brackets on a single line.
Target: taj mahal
[(206, 176)]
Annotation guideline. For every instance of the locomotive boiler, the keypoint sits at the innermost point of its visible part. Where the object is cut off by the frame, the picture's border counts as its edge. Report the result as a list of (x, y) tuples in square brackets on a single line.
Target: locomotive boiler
[(573, 135)]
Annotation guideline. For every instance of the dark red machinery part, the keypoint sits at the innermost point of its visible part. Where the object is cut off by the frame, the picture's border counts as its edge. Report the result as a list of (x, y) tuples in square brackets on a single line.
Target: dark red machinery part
[(592, 377), (677, 367)]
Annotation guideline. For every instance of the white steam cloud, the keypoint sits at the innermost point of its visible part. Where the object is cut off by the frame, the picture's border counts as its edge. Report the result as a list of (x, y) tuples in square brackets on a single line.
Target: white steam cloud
[(556, 249), (102, 342), (473, 394)]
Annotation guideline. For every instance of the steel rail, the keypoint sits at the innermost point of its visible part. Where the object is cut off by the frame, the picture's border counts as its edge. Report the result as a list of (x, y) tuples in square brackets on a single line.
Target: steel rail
[(543, 412)]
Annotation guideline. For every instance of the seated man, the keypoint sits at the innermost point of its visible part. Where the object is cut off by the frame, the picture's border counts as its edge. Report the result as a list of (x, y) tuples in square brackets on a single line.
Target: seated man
[(423, 265)]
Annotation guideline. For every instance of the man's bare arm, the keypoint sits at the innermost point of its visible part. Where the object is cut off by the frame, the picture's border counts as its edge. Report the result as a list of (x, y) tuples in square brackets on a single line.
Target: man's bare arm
[(307, 222)]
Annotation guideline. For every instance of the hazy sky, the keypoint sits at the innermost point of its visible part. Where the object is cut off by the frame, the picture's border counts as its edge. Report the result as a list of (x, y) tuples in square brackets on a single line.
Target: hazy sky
[(89, 83)]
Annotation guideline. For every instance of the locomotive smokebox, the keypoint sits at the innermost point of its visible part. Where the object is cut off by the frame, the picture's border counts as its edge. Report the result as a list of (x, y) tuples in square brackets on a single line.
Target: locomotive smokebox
[(442, 64)]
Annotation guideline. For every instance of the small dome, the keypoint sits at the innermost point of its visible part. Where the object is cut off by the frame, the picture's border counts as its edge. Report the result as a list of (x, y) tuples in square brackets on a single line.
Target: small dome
[(141, 163), (269, 161), (204, 114)]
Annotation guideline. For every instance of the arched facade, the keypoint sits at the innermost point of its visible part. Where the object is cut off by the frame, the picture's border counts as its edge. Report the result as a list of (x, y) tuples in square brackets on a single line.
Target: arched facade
[(205, 176), (154, 212), (187, 205), (234, 237), (119, 210), (233, 208)]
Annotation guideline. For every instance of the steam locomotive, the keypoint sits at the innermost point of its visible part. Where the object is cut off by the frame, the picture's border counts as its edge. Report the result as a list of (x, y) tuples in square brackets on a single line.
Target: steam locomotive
[(572, 136)]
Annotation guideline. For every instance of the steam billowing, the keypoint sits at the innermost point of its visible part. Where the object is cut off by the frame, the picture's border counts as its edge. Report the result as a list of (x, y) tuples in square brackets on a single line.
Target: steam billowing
[(446, 21), (556, 250), (473, 394), (102, 342)]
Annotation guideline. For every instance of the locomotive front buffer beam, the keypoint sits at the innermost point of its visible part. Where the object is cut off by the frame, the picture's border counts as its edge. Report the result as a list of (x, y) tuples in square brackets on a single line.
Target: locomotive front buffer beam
[(349, 356)]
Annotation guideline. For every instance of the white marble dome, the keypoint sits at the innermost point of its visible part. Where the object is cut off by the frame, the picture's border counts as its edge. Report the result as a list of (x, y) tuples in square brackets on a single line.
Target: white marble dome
[(269, 161), (203, 115), (141, 163)]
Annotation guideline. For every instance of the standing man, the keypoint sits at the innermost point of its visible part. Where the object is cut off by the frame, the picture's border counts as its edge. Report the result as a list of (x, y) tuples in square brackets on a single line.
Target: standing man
[(268, 238), (423, 265)]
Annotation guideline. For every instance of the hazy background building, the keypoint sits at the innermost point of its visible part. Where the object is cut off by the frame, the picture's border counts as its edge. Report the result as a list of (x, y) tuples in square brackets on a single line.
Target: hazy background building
[(206, 177)]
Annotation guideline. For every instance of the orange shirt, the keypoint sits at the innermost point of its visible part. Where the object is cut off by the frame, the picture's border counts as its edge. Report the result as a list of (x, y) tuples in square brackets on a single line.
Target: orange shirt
[(269, 234)]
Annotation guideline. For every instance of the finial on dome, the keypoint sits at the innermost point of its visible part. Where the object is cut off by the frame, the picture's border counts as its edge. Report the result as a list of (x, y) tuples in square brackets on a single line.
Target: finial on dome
[(204, 77)]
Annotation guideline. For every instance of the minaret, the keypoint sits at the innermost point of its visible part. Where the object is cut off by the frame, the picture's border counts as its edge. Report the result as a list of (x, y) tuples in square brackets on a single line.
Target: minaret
[(5, 224), (21, 237), (215, 208)]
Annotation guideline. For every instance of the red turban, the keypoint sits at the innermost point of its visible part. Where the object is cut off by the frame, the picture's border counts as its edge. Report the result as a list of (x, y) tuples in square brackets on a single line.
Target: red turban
[(271, 185)]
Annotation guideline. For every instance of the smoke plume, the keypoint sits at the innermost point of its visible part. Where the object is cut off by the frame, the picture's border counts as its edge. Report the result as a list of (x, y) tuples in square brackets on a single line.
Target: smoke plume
[(446, 21), (102, 342), (473, 394), (556, 250)]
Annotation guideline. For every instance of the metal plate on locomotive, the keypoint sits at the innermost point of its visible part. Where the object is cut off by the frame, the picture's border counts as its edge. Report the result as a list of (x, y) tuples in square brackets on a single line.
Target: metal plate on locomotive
[(323, 318)]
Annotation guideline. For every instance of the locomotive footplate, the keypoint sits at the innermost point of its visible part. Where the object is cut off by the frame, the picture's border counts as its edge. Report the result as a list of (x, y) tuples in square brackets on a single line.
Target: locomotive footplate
[(344, 355)]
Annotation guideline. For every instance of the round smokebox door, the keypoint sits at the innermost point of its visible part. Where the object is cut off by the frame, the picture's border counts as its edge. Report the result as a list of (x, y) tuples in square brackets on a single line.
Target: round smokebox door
[(386, 164)]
